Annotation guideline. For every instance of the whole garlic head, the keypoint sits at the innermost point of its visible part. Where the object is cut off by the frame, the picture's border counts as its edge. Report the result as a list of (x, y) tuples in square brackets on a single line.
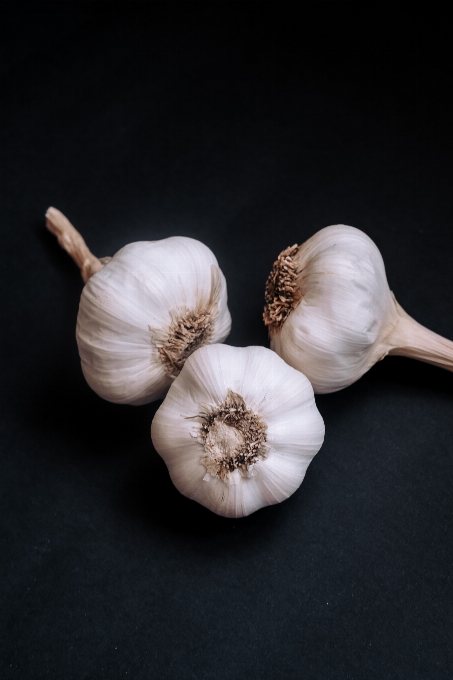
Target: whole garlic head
[(331, 314), (144, 311), (238, 429)]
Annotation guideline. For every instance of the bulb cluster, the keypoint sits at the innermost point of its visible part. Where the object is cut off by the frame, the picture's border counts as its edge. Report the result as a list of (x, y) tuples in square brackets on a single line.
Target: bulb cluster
[(238, 426)]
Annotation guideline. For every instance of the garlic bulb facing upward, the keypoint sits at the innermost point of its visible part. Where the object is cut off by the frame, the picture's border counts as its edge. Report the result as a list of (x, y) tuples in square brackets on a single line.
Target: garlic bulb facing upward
[(331, 314), (143, 311), (237, 429)]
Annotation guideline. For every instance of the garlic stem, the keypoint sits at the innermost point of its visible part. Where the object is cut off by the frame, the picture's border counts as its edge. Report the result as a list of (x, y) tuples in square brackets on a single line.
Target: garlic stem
[(411, 339), (70, 239)]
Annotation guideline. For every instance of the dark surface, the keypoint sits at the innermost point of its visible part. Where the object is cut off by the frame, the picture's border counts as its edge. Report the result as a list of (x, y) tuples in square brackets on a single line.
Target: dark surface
[(248, 128)]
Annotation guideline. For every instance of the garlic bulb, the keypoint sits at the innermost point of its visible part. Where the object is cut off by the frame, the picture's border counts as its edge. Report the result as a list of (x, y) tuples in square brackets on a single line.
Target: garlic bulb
[(143, 311), (237, 429), (331, 314)]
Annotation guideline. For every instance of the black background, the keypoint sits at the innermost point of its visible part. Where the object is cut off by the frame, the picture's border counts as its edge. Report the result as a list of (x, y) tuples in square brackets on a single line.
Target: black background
[(248, 126)]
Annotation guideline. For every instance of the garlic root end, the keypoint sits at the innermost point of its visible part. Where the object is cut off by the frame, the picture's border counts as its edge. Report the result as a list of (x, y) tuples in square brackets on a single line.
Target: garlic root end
[(71, 241)]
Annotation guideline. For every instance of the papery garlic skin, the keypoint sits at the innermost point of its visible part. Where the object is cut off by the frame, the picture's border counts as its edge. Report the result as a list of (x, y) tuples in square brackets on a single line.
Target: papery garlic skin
[(278, 398), (332, 315), (140, 316)]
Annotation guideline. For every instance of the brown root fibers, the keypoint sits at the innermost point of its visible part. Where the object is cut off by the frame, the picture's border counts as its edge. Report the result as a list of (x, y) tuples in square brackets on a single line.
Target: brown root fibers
[(233, 435), (282, 292)]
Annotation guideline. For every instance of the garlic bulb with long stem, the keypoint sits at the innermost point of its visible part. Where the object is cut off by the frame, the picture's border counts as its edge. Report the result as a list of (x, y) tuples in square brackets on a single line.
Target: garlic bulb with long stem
[(331, 314), (237, 429), (143, 311)]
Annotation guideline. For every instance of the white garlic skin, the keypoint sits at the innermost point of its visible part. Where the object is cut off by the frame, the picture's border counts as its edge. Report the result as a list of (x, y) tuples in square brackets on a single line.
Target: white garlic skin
[(338, 329), (127, 308), (281, 396)]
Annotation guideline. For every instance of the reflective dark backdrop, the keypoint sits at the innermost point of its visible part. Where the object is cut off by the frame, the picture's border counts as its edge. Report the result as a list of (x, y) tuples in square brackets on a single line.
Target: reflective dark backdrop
[(247, 125)]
